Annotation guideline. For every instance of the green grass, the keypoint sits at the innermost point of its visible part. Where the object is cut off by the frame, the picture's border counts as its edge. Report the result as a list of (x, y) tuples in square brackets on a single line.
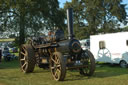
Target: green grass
[(6, 39), (10, 74)]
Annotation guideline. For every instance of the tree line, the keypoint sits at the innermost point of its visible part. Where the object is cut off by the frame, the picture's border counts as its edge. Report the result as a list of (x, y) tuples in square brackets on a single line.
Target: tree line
[(30, 17)]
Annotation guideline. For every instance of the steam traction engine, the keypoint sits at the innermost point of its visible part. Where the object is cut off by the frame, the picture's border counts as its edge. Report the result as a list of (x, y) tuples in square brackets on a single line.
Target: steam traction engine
[(57, 53)]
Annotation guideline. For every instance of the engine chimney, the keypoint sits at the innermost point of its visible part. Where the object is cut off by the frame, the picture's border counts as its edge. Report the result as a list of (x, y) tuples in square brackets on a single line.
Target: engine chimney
[(70, 23)]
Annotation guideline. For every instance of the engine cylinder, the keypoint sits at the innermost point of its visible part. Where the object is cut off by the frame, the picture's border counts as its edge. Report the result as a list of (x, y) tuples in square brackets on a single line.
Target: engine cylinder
[(69, 46)]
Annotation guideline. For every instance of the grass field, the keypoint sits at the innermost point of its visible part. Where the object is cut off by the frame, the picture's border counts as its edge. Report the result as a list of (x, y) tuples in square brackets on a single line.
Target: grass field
[(10, 74), (6, 39)]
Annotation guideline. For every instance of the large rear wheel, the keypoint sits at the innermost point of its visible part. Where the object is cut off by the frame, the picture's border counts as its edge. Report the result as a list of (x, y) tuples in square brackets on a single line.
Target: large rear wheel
[(58, 66), (27, 58), (89, 61)]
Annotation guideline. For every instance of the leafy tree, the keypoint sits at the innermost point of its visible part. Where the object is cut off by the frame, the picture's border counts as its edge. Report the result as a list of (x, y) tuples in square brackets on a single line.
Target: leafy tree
[(100, 15), (125, 28), (80, 25), (30, 16)]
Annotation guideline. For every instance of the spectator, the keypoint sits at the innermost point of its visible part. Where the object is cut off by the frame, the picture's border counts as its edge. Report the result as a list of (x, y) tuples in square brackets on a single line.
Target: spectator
[(51, 36)]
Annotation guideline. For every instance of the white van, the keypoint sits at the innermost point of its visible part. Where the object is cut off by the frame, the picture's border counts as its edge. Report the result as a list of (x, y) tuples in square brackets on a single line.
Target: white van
[(110, 48)]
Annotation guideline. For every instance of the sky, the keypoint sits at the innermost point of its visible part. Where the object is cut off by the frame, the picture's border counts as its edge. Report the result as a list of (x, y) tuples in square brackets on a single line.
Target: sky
[(126, 2), (63, 1)]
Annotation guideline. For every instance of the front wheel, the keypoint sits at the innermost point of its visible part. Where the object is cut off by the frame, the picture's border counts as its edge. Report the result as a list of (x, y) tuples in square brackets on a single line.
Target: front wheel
[(89, 61), (58, 66)]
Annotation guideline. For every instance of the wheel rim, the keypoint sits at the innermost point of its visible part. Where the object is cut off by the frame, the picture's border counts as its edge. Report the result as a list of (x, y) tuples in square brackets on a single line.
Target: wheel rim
[(23, 58), (55, 67)]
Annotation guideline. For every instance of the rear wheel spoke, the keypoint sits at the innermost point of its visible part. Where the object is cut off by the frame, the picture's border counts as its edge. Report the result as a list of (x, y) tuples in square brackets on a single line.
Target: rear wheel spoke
[(22, 53), (23, 59), (24, 48), (24, 64), (52, 67), (58, 66), (57, 73), (58, 70)]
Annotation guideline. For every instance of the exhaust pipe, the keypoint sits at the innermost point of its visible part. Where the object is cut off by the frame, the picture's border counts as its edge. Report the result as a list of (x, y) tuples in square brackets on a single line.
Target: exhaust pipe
[(70, 23)]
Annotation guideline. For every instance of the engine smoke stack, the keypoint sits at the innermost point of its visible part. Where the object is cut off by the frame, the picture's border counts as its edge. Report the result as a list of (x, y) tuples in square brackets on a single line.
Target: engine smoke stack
[(70, 23)]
